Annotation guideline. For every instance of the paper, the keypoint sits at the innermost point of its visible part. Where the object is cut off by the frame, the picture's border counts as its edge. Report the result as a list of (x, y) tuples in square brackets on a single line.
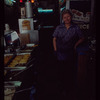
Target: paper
[(14, 36)]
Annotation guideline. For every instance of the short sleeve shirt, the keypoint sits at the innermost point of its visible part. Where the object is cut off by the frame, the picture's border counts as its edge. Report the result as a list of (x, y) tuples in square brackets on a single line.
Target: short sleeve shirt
[(66, 38)]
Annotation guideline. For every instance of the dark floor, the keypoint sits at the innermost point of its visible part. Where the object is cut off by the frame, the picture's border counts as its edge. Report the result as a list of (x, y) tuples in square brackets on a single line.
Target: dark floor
[(48, 85)]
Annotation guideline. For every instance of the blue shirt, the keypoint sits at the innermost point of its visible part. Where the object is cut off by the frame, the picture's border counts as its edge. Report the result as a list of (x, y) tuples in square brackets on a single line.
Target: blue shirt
[(66, 39)]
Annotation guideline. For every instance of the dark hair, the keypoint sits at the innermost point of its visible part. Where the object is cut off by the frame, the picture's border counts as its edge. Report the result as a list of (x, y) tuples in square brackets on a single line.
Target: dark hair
[(67, 11)]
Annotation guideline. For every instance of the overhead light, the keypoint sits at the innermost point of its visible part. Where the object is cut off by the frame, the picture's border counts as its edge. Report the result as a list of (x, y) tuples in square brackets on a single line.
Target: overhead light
[(32, 1), (21, 1), (40, 10)]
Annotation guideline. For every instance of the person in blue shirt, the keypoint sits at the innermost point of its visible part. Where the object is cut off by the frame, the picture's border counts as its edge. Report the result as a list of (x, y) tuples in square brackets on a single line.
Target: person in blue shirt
[(66, 37)]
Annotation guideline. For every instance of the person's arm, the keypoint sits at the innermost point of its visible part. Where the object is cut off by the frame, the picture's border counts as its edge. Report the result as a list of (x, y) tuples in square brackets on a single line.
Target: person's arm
[(54, 44), (55, 35), (79, 42)]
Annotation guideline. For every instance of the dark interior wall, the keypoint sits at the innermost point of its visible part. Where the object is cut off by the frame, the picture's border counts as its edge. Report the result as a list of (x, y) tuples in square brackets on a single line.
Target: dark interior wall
[(11, 15), (84, 6), (45, 40), (48, 19), (93, 18)]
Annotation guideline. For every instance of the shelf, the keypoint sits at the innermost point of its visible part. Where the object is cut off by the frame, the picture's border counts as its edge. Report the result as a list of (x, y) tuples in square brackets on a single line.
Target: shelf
[(11, 84), (18, 68)]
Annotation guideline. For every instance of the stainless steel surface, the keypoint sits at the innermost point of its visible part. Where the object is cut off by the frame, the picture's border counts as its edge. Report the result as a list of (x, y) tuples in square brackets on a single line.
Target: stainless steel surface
[(22, 53), (28, 7), (18, 68), (8, 54), (12, 84), (34, 36)]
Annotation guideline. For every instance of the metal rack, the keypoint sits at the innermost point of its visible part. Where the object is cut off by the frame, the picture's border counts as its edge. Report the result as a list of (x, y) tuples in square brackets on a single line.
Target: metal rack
[(14, 74)]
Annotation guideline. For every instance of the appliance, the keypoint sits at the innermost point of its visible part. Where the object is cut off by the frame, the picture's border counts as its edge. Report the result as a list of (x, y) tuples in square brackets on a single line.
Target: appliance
[(12, 39)]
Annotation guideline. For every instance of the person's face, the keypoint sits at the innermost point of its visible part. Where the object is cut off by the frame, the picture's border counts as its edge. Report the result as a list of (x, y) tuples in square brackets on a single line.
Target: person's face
[(67, 18)]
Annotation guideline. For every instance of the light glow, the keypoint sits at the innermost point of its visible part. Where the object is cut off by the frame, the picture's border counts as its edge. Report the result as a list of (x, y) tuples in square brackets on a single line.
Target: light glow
[(21, 1), (32, 1), (40, 10)]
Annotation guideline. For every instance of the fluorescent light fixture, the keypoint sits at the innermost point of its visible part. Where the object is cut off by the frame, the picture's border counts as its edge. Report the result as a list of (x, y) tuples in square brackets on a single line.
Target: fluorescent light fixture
[(48, 26), (40, 10)]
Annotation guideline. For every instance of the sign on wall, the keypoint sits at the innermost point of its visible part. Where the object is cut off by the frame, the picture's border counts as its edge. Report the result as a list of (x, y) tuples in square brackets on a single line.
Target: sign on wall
[(26, 25), (81, 19), (81, 14)]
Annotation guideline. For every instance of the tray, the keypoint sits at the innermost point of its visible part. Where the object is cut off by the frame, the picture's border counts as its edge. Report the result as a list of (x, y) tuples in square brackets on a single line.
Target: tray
[(19, 60), (8, 60)]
